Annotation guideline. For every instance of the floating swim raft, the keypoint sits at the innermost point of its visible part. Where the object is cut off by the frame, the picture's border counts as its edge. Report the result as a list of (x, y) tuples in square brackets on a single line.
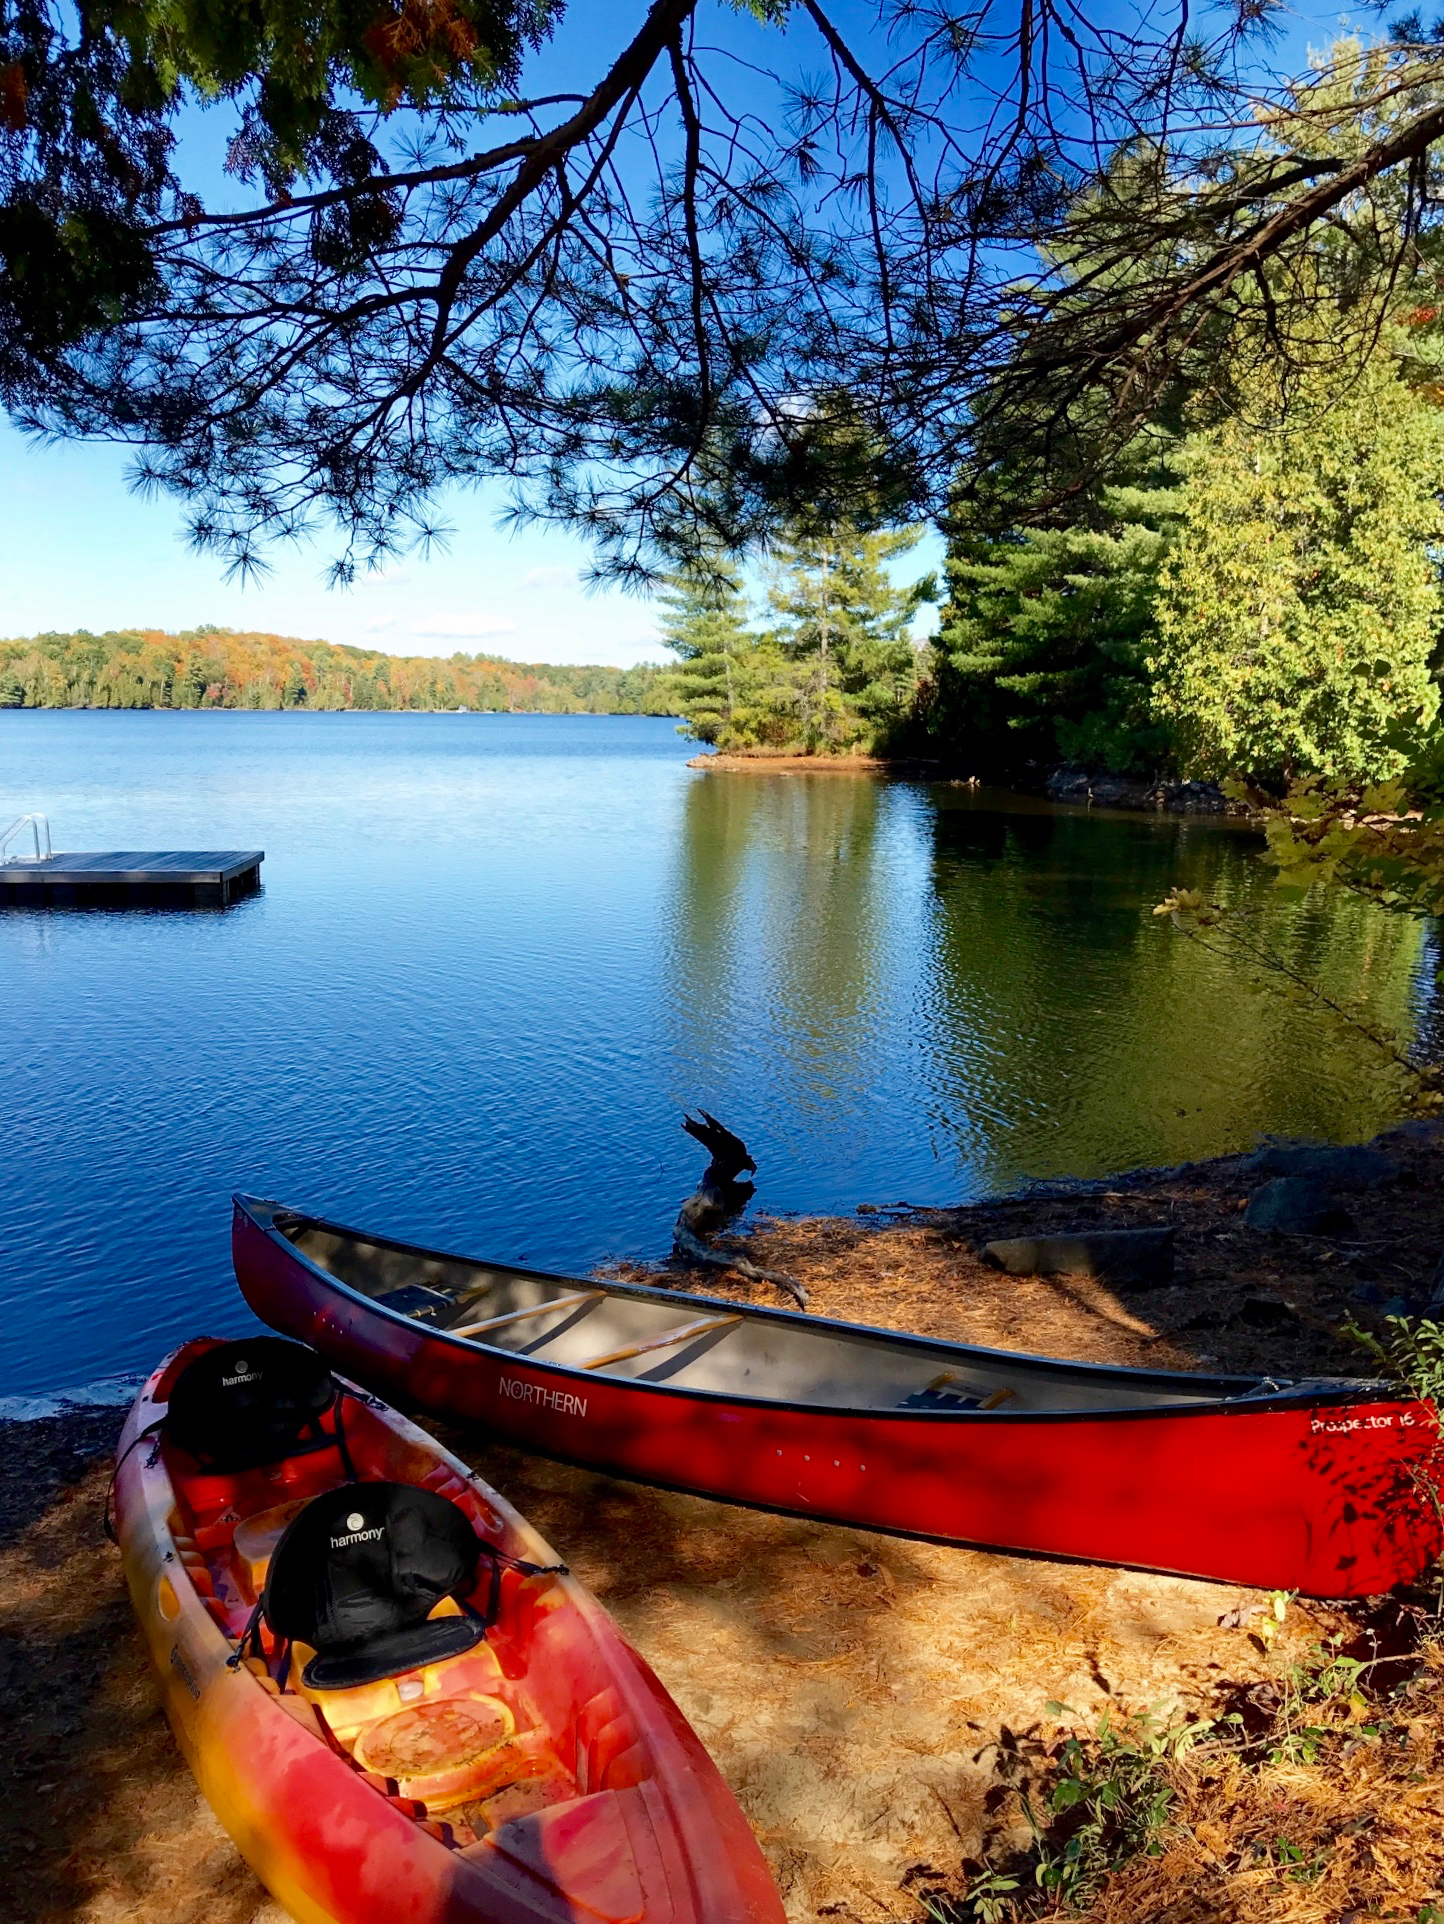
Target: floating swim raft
[(146, 878)]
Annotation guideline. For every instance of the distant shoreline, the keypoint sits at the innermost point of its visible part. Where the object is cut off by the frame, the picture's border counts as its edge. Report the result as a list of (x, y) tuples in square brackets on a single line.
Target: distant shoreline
[(492, 714), (206, 668)]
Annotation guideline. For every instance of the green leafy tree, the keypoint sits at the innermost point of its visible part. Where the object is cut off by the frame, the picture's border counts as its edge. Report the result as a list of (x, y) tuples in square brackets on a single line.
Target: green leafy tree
[(1044, 637), (845, 632), (1300, 606)]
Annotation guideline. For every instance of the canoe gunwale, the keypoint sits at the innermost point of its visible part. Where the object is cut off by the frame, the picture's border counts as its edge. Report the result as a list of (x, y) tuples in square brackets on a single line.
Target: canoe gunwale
[(1245, 1395)]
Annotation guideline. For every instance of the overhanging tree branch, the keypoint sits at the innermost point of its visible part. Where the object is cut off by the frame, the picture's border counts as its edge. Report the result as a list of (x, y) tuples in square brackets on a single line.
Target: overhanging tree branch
[(1007, 234)]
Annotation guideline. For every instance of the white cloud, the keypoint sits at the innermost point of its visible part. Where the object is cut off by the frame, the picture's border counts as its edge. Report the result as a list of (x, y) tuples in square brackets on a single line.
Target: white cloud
[(471, 631), (549, 578)]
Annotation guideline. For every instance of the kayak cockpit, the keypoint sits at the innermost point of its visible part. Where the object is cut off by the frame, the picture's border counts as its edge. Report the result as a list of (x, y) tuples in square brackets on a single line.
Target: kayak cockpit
[(505, 1714), (710, 1346)]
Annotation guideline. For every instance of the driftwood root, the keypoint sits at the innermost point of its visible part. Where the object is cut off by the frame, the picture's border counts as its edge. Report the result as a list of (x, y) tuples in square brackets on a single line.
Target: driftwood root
[(696, 1251)]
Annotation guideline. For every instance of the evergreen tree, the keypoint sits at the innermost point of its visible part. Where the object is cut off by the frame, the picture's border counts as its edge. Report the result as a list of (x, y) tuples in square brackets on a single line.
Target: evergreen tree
[(845, 632), (188, 688), (704, 623), (1300, 608), (1043, 642)]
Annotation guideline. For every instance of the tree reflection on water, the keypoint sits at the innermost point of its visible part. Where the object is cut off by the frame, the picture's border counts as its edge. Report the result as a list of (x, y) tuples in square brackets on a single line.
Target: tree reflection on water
[(979, 976)]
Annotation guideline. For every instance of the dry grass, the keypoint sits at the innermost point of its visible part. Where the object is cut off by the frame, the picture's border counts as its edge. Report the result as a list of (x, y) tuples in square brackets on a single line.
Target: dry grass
[(860, 1692), (1359, 1833), (1239, 1301)]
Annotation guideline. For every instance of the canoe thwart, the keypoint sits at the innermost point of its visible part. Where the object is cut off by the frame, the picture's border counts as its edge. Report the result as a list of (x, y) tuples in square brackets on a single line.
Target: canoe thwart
[(510, 1316), (997, 1399), (669, 1339)]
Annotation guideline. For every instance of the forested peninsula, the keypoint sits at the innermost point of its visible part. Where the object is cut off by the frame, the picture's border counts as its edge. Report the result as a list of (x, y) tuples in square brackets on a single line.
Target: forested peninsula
[(220, 668)]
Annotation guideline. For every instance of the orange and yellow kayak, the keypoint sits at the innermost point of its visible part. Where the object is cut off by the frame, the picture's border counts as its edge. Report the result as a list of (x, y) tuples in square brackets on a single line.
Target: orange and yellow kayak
[(541, 1776)]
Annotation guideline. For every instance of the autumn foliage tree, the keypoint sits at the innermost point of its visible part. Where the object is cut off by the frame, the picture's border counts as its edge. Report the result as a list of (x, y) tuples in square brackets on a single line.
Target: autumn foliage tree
[(218, 668)]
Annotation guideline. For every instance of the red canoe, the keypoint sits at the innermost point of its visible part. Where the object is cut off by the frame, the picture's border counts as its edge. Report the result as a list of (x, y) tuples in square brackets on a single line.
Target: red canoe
[(1320, 1486), (518, 1763)]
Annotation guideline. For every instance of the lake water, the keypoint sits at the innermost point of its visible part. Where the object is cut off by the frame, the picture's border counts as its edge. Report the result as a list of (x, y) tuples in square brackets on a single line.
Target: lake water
[(497, 956)]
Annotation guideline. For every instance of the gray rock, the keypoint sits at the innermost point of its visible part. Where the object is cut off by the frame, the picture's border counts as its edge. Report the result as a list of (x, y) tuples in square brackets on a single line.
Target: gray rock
[(1072, 784), (1418, 1129), (1142, 1257), (1122, 791), (1297, 1206), (1194, 798), (1068, 784), (1339, 1166)]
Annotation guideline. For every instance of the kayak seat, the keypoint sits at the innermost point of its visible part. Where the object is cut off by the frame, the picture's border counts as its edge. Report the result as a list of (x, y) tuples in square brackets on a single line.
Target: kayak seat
[(357, 1574), (410, 1648), (244, 1404)]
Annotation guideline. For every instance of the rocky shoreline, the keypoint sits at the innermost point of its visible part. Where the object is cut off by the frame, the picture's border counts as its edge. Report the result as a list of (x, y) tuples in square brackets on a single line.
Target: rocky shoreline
[(876, 1704), (1079, 787)]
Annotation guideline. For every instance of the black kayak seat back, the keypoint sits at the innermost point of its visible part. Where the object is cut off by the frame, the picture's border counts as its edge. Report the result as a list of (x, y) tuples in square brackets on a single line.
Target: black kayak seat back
[(357, 1575), (251, 1402)]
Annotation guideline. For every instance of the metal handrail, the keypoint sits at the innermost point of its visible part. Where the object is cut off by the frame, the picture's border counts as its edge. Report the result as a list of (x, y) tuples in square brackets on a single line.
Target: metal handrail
[(37, 824)]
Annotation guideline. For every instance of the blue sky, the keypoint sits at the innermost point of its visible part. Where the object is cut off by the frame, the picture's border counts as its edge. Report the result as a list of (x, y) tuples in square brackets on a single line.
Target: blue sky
[(78, 550)]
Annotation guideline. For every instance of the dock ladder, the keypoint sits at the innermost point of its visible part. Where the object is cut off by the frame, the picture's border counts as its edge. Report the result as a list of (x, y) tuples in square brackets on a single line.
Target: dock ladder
[(39, 827)]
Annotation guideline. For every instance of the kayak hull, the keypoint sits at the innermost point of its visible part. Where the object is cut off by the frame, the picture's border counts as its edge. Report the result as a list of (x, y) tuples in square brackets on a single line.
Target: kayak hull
[(335, 1845), (1323, 1489)]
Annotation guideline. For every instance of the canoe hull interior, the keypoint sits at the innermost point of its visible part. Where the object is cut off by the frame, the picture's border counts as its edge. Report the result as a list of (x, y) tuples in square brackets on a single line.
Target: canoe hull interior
[(1328, 1493), (641, 1826)]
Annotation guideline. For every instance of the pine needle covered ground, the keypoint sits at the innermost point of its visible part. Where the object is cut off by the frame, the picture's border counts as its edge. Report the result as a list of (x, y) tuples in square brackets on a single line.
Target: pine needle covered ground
[(887, 1711)]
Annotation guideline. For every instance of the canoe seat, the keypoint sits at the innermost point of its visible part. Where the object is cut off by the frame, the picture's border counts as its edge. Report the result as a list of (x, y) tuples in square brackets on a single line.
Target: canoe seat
[(357, 1575), (940, 1399), (940, 1394)]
